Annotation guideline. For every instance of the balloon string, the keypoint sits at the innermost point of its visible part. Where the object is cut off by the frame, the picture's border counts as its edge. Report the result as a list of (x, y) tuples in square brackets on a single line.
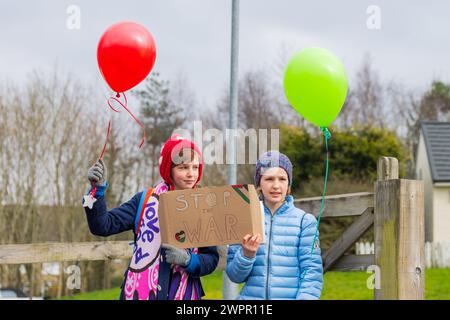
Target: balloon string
[(94, 188), (124, 105), (93, 191), (106, 140), (327, 136)]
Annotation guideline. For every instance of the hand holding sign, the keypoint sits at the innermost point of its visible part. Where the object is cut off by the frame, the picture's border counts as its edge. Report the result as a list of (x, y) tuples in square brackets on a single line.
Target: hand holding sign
[(250, 245), (177, 256)]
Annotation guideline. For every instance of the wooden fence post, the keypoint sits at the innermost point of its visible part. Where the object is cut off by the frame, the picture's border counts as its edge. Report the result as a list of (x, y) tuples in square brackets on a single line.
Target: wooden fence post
[(399, 234)]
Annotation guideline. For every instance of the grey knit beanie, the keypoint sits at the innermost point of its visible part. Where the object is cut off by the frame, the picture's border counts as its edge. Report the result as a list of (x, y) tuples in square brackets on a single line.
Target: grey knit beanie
[(273, 159)]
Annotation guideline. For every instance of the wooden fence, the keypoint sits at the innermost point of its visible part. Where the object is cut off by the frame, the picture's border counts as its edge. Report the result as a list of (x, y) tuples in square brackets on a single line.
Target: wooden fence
[(395, 210), (437, 254)]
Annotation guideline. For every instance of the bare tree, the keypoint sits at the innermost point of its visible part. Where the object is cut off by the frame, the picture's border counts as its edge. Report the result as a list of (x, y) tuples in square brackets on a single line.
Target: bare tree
[(257, 110), (48, 136), (160, 117), (411, 108), (366, 102)]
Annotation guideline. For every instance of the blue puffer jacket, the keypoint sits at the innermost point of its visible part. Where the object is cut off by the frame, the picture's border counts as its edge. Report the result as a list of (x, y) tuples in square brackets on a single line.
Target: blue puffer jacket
[(284, 267)]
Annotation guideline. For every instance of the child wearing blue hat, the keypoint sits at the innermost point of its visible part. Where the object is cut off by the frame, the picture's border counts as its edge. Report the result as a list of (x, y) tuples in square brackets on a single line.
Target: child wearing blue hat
[(287, 266)]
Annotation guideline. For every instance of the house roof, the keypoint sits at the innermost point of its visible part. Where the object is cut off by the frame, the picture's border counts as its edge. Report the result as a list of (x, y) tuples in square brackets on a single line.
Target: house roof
[(437, 143)]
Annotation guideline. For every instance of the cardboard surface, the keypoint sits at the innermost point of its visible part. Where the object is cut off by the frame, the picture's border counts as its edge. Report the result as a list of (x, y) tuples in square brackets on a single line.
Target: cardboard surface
[(210, 216)]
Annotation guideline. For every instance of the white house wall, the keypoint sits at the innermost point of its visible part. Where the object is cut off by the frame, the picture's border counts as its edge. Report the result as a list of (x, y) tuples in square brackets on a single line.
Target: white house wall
[(441, 205), (423, 172)]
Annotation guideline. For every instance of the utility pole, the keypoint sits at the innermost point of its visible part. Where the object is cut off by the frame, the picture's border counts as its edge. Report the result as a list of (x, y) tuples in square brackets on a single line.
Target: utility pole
[(230, 289)]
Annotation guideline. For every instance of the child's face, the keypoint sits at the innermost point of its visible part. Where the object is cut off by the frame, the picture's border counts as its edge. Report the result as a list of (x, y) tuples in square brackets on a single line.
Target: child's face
[(274, 185), (185, 175)]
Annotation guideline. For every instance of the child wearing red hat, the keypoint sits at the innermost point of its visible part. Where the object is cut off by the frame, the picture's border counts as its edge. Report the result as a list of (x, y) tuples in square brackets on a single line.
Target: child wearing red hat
[(156, 271)]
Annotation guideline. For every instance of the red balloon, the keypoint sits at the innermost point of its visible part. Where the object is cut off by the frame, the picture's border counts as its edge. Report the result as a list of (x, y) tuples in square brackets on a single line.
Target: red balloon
[(126, 54)]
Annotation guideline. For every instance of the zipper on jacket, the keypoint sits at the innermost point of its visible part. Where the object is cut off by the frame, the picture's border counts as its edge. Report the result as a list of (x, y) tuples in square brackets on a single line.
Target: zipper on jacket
[(268, 255), (272, 216)]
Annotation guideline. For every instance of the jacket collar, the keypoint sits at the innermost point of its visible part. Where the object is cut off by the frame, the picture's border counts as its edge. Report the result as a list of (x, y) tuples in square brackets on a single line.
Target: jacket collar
[(288, 202)]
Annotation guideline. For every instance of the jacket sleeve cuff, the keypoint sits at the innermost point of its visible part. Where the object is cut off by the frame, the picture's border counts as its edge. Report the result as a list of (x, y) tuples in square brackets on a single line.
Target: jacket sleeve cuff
[(243, 260), (100, 189), (194, 263)]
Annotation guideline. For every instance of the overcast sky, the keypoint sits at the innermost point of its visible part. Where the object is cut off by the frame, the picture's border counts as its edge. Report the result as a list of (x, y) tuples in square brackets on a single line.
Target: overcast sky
[(193, 37)]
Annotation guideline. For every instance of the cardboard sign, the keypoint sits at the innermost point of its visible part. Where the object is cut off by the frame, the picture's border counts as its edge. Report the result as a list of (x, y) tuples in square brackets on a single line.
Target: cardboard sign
[(210, 216)]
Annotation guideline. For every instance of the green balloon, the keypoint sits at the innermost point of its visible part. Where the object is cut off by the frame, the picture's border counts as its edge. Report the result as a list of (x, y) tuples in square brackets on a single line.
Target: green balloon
[(315, 85)]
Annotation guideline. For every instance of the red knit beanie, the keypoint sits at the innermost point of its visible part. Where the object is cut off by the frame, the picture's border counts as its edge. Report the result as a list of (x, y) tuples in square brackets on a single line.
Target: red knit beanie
[(170, 150)]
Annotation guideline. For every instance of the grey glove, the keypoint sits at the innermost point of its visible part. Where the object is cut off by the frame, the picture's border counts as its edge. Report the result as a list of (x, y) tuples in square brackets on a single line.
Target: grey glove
[(97, 173), (177, 256)]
